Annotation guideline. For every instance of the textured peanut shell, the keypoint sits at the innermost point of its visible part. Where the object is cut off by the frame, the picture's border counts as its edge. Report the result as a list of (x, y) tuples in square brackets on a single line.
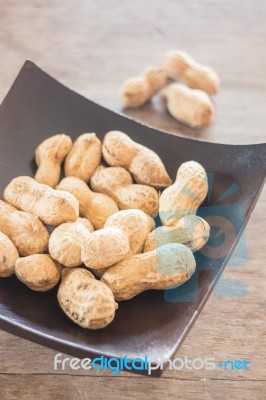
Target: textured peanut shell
[(85, 300), (138, 90), (116, 182), (135, 224), (144, 164), (8, 256), (193, 107), (185, 195), (53, 207), (168, 266), (156, 78), (151, 222), (135, 92), (180, 65), (24, 229), (49, 156), (66, 240), (108, 179), (104, 247), (96, 207), (141, 197), (84, 157), (192, 231), (38, 271), (124, 234)]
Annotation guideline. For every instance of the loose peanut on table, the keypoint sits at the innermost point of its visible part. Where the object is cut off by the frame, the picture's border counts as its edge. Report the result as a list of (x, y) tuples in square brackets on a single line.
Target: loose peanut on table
[(85, 300), (53, 207), (38, 271), (8, 256), (144, 164), (190, 106), (117, 183), (49, 156), (191, 230), (84, 157), (66, 240), (24, 229), (124, 233), (180, 65), (168, 266), (138, 90), (96, 207), (185, 195)]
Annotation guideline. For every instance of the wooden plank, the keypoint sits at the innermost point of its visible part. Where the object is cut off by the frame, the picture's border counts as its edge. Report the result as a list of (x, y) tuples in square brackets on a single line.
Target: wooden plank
[(48, 387)]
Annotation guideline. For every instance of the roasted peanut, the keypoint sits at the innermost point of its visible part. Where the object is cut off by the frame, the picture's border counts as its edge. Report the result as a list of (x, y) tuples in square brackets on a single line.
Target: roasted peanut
[(97, 207), (190, 106), (168, 266), (144, 164), (85, 300), (84, 157), (8, 256), (185, 195), (124, 234), (192, 231), (38, 271), (53, 207), (24, 229), (138, 90), (49, 156), (117, 183), (179, 65), (65, 242), (151, 221), (156, 78)]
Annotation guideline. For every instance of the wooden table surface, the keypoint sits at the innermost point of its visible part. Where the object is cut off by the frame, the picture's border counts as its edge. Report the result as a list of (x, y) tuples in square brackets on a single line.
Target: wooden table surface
[(92, 46)]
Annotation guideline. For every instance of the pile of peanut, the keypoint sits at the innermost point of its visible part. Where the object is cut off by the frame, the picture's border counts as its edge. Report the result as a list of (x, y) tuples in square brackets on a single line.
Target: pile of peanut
[(104, 246), (187, 100)]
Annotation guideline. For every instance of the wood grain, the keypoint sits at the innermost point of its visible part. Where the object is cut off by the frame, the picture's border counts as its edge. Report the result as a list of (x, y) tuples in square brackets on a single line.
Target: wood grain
[(92, 46), (49, 387)]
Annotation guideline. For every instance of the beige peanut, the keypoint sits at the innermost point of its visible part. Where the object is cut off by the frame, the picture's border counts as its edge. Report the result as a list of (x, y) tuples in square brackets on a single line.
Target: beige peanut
[(180, 65), (168, 266), (38, 271), (138, 90), (96, 207), (191, 230), (53, 207), (185, 195), (66, 240), (84, 157), (117, 183), (190, 106), (49, 156), (85, 300), (8, 256), (24, 229), (144, 164), (124, 233)]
